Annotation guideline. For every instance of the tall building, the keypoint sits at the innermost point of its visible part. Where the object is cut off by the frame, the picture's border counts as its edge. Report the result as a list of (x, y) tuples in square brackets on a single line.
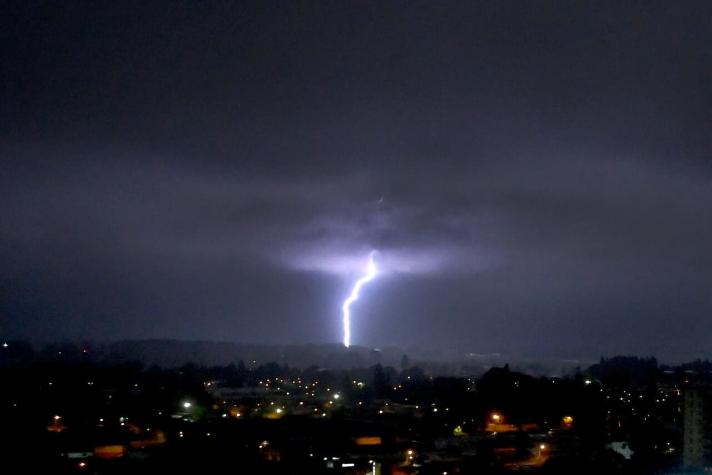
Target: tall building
[(697, 437), (376, 356)]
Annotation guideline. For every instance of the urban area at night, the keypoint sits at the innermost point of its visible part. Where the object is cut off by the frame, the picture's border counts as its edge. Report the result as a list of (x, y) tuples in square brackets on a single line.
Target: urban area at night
[(88, 409)]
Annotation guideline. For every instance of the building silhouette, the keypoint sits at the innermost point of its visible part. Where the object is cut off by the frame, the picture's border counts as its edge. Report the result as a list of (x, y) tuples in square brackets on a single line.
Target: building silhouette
[(697, 429)]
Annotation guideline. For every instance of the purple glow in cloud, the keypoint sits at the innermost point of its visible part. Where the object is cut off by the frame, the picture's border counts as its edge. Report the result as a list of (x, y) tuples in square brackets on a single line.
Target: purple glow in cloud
[(337, 261)]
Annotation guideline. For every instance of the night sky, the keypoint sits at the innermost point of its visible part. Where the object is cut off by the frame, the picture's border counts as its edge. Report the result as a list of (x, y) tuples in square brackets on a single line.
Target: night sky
[(535, 176)]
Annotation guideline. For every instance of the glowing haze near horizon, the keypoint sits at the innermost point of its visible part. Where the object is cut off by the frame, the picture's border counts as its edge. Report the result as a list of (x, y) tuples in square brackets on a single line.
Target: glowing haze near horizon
[(535, 176)]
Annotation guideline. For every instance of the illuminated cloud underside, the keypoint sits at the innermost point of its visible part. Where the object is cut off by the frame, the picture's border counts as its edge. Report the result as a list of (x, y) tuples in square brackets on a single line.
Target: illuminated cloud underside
[(338, 262)]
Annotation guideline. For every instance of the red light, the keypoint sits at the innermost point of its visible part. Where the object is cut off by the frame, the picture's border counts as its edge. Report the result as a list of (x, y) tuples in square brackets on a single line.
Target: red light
[(82, 465)]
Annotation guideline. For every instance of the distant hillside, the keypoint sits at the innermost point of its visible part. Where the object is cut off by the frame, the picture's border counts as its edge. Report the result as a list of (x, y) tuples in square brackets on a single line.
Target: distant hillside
[(174, 353), (177, 353)]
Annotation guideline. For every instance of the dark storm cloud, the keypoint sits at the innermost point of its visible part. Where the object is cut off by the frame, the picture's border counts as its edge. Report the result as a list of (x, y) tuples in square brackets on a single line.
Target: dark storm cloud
[(535, 177)]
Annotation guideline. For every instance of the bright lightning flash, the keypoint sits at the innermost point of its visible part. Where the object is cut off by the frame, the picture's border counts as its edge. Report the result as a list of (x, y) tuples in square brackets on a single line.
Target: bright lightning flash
[(371, 273)]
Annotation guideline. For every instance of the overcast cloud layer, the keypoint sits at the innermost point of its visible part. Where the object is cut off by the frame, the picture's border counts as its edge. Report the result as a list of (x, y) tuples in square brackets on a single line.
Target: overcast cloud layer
[(535, 176)]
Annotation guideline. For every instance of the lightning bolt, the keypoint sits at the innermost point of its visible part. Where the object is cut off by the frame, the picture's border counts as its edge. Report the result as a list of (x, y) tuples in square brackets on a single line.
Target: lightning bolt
[(371, 273)]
